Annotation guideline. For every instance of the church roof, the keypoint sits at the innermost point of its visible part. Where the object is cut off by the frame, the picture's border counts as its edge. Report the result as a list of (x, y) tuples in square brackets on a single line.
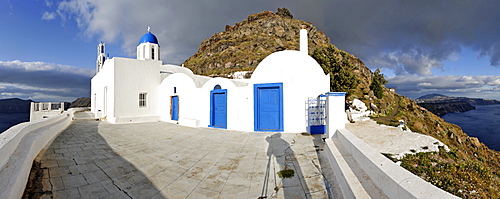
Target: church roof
[(148, 38)]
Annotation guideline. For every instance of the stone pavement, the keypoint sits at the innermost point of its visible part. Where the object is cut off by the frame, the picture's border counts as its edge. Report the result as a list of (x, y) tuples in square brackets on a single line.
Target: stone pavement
[(94, 159), (393, 140)]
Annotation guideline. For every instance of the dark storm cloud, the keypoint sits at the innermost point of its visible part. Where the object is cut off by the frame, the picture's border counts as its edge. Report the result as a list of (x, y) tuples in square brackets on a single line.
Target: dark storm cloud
[(43, 81), (410, 37), (413, 37), (179, 25)]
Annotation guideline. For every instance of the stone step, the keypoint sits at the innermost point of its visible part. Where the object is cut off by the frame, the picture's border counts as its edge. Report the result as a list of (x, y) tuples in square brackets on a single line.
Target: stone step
[(354, 182), (84, 115)]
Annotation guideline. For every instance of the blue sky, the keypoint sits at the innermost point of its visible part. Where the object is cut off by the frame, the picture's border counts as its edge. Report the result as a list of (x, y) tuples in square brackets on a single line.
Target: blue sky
[(48, 48)]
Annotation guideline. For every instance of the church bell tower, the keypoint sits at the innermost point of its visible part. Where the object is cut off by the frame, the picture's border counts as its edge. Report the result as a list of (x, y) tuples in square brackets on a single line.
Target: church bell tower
[(148, 48), (101, 56)]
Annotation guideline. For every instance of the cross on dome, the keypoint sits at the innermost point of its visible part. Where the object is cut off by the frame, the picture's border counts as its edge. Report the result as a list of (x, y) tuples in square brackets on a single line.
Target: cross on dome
[(149, 29)]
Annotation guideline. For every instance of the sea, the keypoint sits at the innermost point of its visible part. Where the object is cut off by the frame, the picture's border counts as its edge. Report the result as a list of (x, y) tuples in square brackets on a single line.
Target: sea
[(8, 120), (483, 123)]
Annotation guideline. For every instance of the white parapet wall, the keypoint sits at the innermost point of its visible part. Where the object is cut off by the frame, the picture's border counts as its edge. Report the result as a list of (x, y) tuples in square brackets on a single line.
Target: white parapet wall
[(20, 144), (392, 179), (40, 110), (335, 114)]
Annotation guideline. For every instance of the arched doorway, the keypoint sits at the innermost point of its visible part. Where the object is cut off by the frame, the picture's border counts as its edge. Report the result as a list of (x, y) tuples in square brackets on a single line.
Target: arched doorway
[(218, 107)]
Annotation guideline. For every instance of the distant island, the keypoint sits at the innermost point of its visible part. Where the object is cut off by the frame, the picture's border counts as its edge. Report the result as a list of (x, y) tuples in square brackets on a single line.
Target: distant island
[(442, 104), (15, 105)]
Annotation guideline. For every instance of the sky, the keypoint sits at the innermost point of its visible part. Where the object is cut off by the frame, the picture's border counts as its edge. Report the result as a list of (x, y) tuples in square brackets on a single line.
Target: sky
[(48, 48)]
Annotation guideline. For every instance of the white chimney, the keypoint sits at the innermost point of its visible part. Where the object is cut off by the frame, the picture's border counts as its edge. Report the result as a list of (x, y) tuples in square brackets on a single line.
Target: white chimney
[(303, 40)]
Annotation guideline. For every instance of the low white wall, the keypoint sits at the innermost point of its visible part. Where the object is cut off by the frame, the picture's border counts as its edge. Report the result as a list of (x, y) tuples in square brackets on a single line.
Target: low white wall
[(19, 146), (393, 180), (38, 115), (335, 113), (40, 110)]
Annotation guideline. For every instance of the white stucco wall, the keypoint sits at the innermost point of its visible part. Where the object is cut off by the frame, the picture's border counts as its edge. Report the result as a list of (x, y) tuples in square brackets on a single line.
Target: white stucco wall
[(102, 105), (302, 77), (336, 117), (239, 103), (144, 51), (124, 79), (132, 77), (186, 90)]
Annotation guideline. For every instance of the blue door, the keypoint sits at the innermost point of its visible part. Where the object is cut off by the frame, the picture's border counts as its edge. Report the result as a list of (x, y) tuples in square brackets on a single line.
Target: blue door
[(218, 108), (268, 107), (175, 108)]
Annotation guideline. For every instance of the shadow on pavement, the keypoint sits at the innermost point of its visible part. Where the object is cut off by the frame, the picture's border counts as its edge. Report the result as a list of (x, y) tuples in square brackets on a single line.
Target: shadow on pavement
[(79, 163), (285, 159)]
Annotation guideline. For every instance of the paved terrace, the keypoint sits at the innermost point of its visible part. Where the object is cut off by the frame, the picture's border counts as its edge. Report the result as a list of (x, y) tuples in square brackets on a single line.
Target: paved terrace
[(93, 159)]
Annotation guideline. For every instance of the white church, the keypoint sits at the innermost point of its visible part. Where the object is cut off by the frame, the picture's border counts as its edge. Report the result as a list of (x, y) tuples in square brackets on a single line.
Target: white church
[(126, 90)]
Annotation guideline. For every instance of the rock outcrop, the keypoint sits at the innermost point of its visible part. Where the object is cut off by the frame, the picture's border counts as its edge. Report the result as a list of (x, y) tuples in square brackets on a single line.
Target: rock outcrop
[(80, 102), (242, 46)]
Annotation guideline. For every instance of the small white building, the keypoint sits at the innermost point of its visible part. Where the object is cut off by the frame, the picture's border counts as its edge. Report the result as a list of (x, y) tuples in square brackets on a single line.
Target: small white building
[(144, 90)]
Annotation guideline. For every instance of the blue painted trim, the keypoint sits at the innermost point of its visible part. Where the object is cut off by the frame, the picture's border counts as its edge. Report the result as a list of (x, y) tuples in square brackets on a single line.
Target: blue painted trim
[(212, 105), (322, 95), (336, 94), (319, 129), (175, 108), (256, 105)]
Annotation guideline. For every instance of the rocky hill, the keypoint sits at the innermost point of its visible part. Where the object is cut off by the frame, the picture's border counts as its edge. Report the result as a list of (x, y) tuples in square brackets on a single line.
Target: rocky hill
[(80, 102), (470, 170), (242, 46), (15, 105)]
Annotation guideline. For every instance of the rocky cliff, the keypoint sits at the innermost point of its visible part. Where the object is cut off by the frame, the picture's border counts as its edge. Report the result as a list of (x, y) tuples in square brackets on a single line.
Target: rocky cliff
[(450, 106), (442, 104), (15, 105), (479, 101), (469, 170)]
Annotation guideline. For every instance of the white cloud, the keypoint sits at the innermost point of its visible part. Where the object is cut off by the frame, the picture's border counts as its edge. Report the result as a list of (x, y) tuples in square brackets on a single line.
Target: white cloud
[(48, 3), (48, 16), (41, 81), (407, 62), (494, 82), (457, 86), (424, 84), (42, 66)]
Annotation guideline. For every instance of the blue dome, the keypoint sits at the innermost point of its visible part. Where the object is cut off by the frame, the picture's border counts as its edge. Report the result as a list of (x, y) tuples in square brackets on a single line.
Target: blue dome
[(148, 38)]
